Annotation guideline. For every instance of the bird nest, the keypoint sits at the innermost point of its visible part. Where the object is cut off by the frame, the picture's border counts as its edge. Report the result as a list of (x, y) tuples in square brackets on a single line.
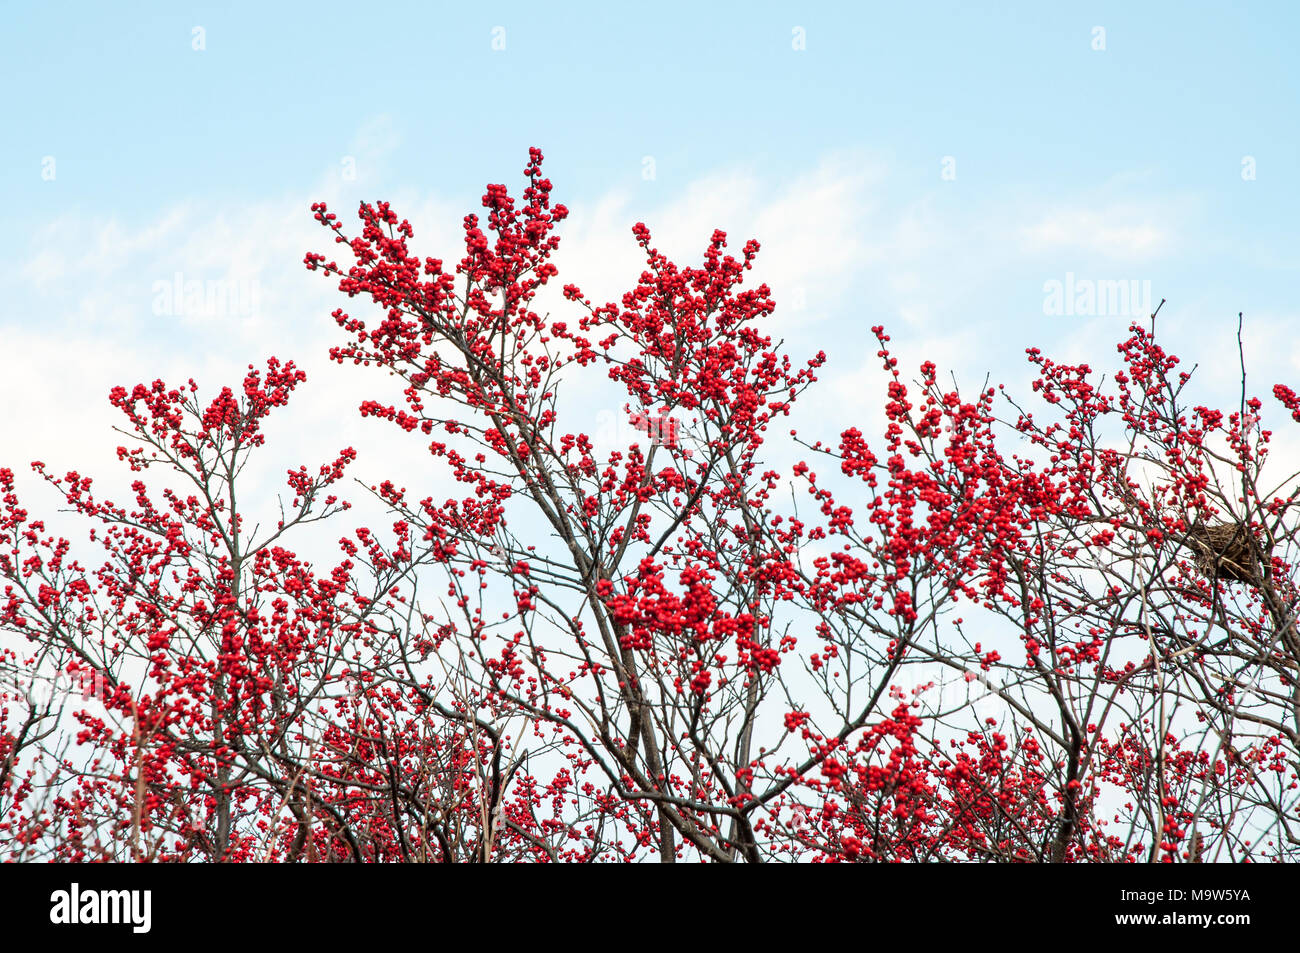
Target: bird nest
[(1225, 551)]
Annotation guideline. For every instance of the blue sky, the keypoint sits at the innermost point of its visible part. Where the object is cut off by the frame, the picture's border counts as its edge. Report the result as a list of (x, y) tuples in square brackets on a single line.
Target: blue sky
[(138, 117), (1111, 164)]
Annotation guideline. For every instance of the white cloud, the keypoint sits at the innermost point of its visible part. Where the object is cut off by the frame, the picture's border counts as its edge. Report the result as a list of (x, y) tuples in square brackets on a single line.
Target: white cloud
[(45, 267), (1118, 231)]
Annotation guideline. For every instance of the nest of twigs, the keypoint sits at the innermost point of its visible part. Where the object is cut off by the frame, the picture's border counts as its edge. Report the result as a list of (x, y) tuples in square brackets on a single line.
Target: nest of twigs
[(1225, 551)]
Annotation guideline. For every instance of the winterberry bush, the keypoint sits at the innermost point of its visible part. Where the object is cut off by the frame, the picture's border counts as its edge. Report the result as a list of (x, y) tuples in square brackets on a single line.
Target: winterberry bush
[(996, 631)]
